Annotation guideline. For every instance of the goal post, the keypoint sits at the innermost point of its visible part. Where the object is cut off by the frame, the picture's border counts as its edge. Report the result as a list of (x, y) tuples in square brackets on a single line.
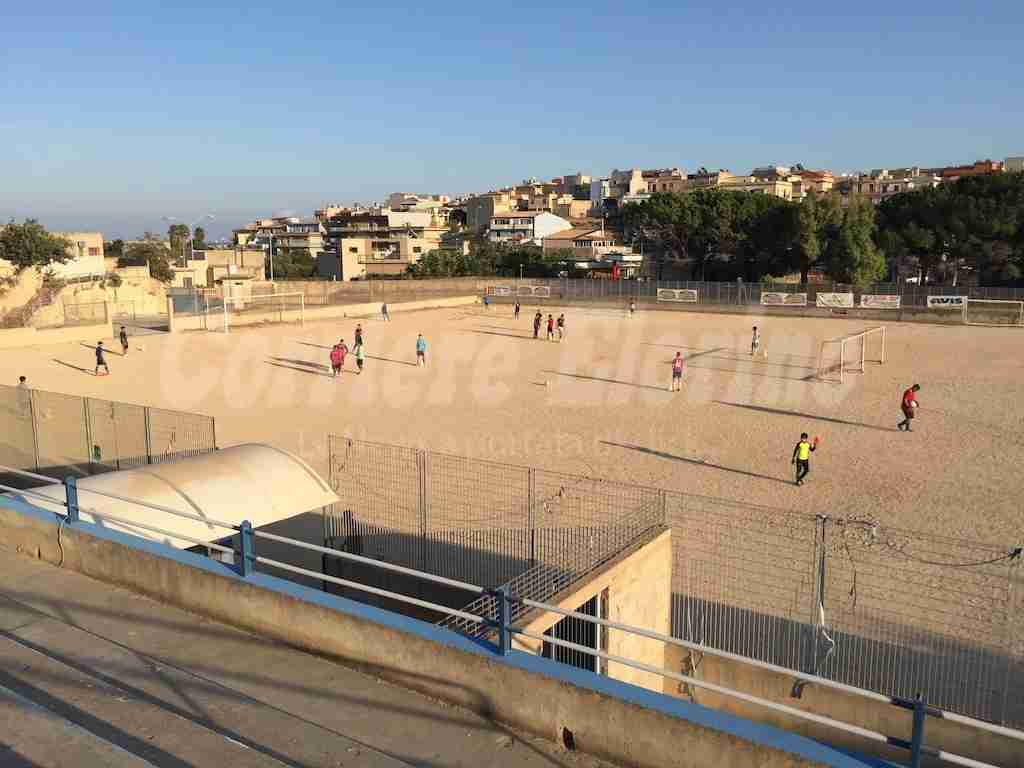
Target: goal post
[(850, 354), (260, 309), (993, 312)]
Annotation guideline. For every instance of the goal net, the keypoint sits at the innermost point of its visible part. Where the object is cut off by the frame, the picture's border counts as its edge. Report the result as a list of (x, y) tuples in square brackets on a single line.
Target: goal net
[(681, 295), (850, 354), (993, 312), (258, 310)]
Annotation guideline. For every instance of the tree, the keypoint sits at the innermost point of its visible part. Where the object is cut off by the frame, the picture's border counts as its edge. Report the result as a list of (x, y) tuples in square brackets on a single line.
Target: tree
[(177, 234), (152, 253), (853, 256), (816, 223), (293, 262), (30, 245), (199, 238), (113, 249)]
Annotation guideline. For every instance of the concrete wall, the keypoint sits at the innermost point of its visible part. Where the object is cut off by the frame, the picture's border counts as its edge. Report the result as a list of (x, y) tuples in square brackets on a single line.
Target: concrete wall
[(314, 314), (606, 718), (639, 584), (848, 708), (31, 337)]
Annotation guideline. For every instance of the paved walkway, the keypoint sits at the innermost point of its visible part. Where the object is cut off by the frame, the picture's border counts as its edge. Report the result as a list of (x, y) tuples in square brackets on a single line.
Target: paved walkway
[(92, 675)]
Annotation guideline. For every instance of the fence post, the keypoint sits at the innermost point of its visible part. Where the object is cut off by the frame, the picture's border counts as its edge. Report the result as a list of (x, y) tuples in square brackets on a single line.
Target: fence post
[(531, 488), (504, 621), (820, 521), (71, 496), (149, 436), (917, 735), (248, 560), (88, 433), (35, 430)]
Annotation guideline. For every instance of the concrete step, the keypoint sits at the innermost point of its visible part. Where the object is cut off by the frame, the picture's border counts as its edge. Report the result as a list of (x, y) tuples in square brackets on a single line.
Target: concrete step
[(101, 689), (34, 737)]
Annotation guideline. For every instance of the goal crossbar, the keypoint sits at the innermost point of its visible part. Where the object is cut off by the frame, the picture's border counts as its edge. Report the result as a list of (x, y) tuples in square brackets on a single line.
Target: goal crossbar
[(849, 354), (1013, 312), (264, 308)]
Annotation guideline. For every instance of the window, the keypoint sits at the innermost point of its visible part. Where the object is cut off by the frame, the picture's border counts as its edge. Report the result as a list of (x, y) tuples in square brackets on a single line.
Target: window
[(417, 249), (353, 250), (94, 251)]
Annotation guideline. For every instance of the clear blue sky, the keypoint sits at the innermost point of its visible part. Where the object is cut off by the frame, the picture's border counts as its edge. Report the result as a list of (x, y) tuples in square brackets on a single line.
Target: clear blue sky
[(113, 114)]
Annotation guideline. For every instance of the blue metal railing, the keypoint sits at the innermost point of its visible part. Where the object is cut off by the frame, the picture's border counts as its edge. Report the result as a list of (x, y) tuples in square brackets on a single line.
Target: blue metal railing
[(248, 558)]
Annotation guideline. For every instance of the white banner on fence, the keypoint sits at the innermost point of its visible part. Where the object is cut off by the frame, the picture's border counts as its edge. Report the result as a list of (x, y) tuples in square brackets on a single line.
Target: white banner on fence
[(779, 299), (541, 291), (685, 295), (946, 302), (880, 301), (836, 300), (499, 290)]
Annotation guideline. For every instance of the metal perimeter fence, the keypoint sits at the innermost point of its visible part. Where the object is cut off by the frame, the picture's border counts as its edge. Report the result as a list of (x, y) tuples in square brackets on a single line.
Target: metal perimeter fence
[(737, 293), (860, 603), (58, 434)]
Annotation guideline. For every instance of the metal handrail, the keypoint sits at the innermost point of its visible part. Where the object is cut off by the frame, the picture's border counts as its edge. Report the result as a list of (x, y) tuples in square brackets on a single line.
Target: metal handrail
[(374, 590), (751, 699), (33, 494), (33, 475), (371, 562), (504, 626), (816, 680)]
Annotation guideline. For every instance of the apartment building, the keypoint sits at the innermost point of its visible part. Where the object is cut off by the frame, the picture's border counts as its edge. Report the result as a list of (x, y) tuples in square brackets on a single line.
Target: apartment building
[(208, 266), (381, 243), (569, 207), (1014, 165), (883, 183), (524, 227), (482, 208), (705, 178), (977, 168), (596, 250), (668, 180), (619, 188), (85, 252), (806, 182)]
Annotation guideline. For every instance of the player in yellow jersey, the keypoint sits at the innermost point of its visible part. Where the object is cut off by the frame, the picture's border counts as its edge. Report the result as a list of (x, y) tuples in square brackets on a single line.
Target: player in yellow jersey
[(802, 457)]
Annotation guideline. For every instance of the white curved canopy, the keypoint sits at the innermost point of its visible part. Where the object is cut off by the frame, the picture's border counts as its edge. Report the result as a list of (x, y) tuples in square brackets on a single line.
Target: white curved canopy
[(254, 482)]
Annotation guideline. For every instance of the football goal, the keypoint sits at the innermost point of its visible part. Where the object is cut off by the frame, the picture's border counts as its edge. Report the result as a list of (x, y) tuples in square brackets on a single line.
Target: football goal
[(993, 312), (258, 310), (850, 354), (681, 295)]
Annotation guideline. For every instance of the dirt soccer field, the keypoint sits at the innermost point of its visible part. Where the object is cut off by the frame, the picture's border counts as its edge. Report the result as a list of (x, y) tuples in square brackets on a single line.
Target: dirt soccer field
[(598, 403)]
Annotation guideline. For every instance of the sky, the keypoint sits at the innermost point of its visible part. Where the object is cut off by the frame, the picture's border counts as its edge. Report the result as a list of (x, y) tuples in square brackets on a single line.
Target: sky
[(115, 115)]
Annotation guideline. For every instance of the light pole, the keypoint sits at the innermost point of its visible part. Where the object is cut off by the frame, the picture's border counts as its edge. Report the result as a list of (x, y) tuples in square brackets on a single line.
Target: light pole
[(191, 229), (271, 249)]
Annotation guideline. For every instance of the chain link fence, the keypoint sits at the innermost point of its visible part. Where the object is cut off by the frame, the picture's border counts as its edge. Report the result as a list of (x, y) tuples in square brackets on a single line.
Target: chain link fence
[(891, 611), (58, 435)]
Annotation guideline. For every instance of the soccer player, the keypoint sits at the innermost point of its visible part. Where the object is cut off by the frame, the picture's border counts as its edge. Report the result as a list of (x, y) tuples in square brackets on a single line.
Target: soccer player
[(22, 382), (802, 457), (632, 308), (123, 336), (338, 352), (384, 312), (755, 341), (100, 361), (561, 326), (515, 311), (677, 373), (536, 323), (551, 328), (908, 405), (487, 302), (359, 334), (360, 353), (421, 350)]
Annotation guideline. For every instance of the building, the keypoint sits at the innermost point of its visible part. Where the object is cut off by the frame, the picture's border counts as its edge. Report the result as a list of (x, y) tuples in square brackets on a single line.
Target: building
[(705, 178), (1014, 165), (807, 182), (209, 266), (774, 185), (85, 251), (524, 227), (386, 243), (412, 201), (595, 250), (327, 211), (569, 207), (482, 208), (977, 168), (883, 183), (669, 180)]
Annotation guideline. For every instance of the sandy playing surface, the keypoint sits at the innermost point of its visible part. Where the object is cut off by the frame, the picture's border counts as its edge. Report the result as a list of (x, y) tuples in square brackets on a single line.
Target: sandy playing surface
[(598, 403)]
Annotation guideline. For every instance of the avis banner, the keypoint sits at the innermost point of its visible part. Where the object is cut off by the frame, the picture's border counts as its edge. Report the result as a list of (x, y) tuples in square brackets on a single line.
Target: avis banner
[(946, 302)]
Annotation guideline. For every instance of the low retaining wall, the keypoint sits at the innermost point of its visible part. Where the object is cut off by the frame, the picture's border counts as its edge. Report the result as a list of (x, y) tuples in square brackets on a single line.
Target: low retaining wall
[(606, 718), (180, 322), (30, 337)]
